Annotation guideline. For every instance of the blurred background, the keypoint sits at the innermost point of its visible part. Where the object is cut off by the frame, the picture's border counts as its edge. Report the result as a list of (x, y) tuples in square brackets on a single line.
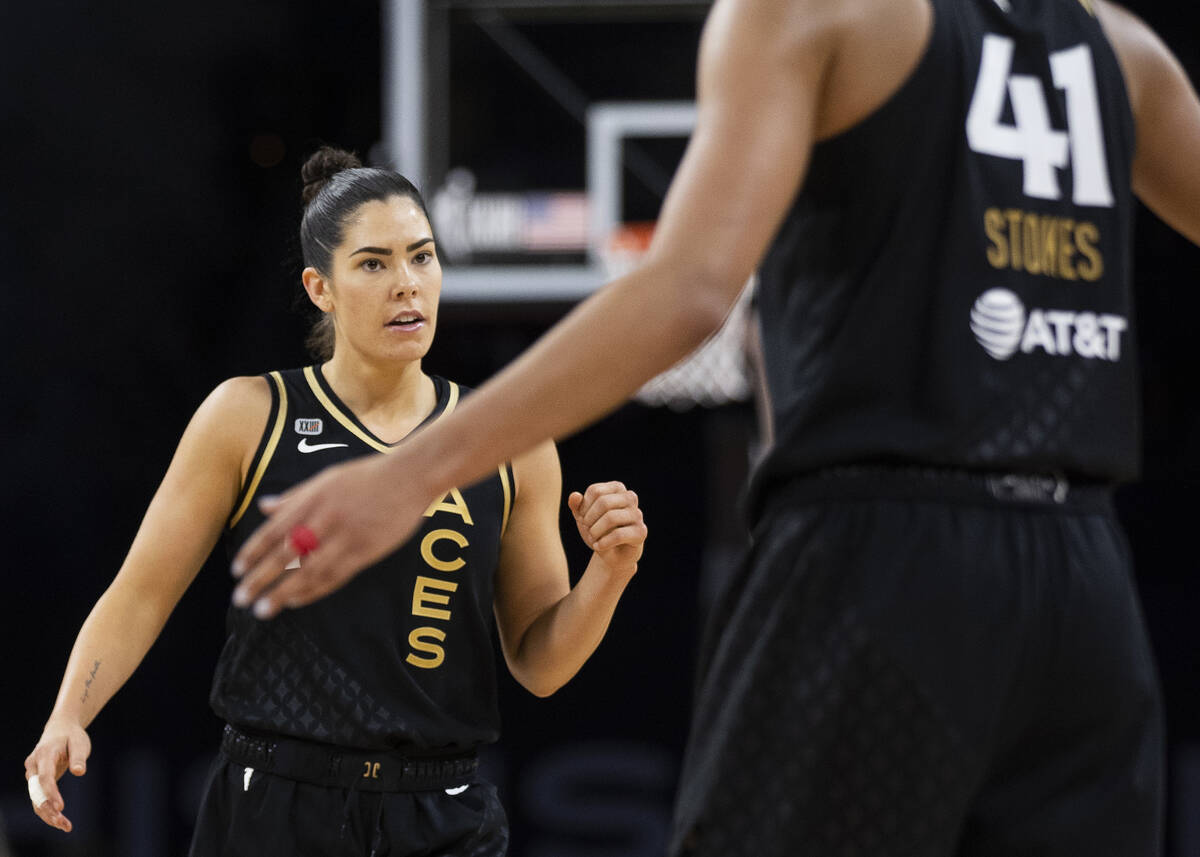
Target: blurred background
[(148, 213)]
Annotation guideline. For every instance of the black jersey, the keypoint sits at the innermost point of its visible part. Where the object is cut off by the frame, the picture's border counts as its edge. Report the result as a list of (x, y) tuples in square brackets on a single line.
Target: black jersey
[(952, 284), (400, 657)]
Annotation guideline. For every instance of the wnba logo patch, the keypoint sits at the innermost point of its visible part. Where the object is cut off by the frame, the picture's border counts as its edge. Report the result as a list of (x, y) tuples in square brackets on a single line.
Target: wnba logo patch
[(308, 427)]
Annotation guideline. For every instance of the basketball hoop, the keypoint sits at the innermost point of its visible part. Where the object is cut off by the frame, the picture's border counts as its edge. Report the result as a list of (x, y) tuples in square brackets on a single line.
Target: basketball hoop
[(716, 373)]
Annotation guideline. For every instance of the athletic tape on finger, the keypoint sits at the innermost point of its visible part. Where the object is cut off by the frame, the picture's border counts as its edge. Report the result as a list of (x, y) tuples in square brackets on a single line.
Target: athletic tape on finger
[(36, 793)]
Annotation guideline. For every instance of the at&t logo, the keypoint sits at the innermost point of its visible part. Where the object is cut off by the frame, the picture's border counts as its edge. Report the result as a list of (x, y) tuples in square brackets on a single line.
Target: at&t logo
[(1003, 327)]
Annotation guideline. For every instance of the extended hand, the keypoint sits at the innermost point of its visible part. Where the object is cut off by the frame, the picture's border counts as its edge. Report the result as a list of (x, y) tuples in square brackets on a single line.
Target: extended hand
[(611, 524), (357, 512), (62, 746)]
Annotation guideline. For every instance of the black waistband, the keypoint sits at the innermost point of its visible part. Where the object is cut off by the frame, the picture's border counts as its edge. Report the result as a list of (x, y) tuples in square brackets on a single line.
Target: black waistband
[(1029, 490), (327, 765)]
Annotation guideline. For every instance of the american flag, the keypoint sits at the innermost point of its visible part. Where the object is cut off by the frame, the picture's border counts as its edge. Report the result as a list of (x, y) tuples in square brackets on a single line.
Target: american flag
[(556, 221)]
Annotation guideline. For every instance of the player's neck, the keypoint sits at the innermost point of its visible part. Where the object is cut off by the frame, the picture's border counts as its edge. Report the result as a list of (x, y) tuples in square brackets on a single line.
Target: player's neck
[(389, 401)]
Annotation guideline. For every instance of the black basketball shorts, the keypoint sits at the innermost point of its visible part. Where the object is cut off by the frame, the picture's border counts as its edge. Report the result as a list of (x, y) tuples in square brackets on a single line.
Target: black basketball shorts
[(248, 812), (909, 675)]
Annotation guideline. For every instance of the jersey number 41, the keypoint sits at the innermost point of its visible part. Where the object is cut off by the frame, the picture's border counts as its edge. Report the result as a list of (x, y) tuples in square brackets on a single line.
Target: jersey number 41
[(1031, 139)]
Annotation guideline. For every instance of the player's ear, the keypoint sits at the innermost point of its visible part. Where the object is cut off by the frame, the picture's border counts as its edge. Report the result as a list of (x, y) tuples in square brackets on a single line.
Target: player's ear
[(318, 289)]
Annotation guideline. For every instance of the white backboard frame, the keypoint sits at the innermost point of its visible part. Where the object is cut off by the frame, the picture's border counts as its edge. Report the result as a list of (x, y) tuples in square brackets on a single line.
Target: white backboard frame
[(608, 125)]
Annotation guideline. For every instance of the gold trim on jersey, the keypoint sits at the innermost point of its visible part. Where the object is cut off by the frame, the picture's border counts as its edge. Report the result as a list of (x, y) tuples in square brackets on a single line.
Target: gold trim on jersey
[(272, 442), (452, 401), (507, 498), (338, 414)]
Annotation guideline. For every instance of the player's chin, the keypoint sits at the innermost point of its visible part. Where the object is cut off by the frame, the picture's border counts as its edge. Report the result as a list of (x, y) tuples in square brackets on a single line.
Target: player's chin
[(409, 350)]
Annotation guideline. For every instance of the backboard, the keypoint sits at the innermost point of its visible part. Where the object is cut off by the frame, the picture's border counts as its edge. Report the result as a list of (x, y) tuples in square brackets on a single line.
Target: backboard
[(533, 128)]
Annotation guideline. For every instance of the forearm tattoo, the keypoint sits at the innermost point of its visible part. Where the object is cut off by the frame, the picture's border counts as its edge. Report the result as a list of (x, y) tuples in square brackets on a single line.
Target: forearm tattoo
[(87, 685)]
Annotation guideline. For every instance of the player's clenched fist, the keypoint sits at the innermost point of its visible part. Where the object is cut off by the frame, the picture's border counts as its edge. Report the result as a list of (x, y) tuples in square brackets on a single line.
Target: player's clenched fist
[(611, 524)]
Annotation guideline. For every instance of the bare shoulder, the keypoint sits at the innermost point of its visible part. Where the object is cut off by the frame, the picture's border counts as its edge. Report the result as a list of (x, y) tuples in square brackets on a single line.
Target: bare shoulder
[(1143, 56), (768, 30), (1120, 24), (790, 25), (231, 420), (877, 46), (1166, 109), (839, 36), (241, 398)]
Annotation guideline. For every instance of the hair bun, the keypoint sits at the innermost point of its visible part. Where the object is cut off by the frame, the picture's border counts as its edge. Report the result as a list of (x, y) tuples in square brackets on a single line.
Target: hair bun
[(321, 166)]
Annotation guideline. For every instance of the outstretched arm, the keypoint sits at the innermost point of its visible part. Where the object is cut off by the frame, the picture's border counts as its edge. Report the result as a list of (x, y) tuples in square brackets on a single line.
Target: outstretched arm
[(177, 533), (547, 628), (759, 86)]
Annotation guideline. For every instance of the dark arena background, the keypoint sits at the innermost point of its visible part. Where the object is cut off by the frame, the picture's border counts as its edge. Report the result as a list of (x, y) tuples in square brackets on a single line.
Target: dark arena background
[(148, 212)]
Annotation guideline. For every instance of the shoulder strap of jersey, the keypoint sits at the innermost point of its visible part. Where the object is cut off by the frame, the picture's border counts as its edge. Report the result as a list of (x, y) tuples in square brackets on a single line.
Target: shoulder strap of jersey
[(266, 446)]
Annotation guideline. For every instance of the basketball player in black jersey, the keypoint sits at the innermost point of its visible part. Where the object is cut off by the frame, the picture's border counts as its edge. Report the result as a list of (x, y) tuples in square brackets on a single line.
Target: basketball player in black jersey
[(353, 724), (934, 647)]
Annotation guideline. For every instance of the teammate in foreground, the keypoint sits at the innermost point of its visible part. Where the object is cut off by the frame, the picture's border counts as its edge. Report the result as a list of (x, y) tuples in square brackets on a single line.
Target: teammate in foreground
[(353, 723), (934, 647)]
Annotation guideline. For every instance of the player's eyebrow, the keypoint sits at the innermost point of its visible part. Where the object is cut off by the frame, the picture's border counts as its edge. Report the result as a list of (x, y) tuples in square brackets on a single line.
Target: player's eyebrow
[(383, 251)]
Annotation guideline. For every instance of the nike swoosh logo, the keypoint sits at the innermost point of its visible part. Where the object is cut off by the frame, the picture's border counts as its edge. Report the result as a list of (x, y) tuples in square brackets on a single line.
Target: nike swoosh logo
[(305, 446)]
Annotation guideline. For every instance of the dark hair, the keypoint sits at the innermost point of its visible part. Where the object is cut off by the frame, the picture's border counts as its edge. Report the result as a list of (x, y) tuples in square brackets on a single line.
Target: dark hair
[(335, 185)]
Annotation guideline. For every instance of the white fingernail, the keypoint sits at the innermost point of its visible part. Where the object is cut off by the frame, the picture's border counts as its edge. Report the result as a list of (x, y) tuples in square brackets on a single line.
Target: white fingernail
[(262, 608), (240, 597), (238, 568)]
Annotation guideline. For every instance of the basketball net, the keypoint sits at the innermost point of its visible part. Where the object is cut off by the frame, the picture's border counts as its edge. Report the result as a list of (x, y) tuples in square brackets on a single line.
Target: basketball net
[(716, 373)]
